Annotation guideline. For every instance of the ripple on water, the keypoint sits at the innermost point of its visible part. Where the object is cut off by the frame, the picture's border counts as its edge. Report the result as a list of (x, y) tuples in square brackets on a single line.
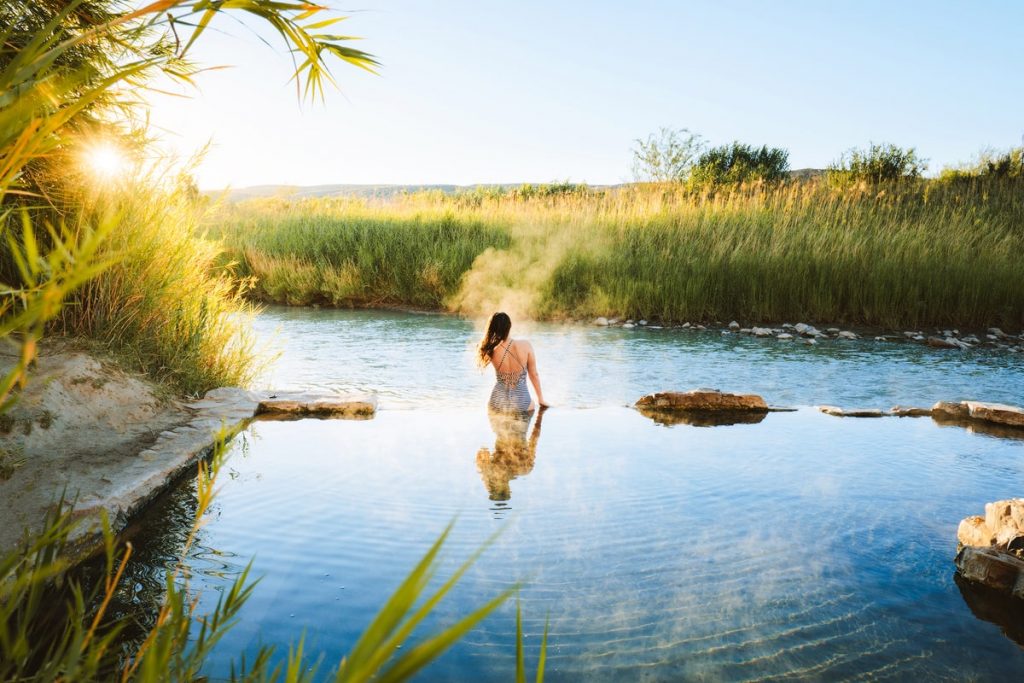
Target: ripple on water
[(804, 546)]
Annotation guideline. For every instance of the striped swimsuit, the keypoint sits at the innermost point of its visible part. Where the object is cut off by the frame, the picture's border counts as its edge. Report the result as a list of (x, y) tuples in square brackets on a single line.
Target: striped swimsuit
[(510, 394)]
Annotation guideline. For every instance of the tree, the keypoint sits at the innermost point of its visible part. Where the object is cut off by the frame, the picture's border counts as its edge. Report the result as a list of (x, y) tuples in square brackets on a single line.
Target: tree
[(740, 163), (879, 163), (666, 156)]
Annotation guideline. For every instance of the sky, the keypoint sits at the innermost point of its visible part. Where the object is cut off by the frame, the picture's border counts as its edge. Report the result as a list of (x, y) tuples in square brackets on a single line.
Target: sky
[(524, 91)]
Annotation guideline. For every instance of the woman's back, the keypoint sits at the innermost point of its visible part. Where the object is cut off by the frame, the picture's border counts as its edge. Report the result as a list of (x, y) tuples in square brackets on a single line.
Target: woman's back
[(510, 360)]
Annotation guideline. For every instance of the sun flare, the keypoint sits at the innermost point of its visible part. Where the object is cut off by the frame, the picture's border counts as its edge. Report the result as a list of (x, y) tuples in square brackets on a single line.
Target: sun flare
[(106, 161)]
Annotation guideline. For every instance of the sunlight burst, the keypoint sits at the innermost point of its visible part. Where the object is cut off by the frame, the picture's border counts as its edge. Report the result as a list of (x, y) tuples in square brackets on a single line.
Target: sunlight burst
[(105, 160)]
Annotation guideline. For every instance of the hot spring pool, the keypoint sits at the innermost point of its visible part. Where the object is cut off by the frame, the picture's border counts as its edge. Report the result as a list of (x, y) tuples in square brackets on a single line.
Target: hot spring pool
[(803, 546)]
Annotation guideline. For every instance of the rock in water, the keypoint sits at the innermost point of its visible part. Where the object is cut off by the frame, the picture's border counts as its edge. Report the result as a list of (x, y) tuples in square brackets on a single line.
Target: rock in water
[(734, 325), (855, 412), (996, 412), (601, 321), (948, 410), (703, 400), (762, 331), (994, 568), (973, 531)]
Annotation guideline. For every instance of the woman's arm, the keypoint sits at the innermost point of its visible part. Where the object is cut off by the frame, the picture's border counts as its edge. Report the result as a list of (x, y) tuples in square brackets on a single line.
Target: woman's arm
[(531, 368)]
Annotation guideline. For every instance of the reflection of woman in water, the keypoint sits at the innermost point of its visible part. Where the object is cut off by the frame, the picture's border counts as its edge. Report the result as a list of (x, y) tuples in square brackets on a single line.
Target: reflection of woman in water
[(513, 455), (512, 361)]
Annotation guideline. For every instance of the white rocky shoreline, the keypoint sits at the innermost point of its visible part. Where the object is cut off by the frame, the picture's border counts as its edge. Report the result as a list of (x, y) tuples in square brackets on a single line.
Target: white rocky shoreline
[(947, 338)]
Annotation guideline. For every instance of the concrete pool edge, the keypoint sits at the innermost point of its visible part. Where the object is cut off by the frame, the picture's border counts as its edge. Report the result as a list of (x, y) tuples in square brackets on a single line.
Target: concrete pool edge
[(221, 413)]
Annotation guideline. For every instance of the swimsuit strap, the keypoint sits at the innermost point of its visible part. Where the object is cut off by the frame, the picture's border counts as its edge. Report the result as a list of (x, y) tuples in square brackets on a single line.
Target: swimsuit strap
[(508, 345)]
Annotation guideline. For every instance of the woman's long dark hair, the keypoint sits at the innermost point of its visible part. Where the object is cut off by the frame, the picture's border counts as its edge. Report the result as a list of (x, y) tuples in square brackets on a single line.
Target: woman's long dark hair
[(498, 328)]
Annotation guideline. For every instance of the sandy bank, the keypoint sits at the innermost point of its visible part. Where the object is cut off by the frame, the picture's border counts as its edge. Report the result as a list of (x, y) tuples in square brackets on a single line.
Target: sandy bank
[(109, 440)]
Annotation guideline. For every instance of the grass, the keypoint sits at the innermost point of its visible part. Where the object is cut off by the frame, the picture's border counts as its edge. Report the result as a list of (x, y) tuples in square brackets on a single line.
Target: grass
[(908, 254), (343, 254), (165, 306)]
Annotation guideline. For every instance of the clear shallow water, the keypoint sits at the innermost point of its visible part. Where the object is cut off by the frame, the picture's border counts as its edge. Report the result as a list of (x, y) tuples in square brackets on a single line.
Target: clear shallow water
[(427, 361), (803, 546)]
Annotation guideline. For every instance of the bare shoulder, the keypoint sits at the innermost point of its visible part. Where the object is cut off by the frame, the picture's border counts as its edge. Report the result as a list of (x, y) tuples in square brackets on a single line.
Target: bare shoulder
[(523, 345)]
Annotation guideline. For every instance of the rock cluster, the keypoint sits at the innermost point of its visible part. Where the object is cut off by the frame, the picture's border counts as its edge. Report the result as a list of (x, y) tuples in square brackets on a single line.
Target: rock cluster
[(990, 547), (941, 339), (975, 412)]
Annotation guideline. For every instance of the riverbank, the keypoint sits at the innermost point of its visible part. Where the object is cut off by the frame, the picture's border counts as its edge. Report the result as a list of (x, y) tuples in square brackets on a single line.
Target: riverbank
[(102, 439), (909, 256)]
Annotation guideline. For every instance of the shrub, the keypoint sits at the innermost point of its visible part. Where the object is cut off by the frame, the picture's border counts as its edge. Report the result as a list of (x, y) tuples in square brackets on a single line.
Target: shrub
[(667, 156), (991, 165), (879, 163), (739, 163)]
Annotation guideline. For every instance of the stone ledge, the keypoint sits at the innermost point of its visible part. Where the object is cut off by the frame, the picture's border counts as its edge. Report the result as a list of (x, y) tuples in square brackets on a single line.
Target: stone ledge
[(226, 411), (311, 404)]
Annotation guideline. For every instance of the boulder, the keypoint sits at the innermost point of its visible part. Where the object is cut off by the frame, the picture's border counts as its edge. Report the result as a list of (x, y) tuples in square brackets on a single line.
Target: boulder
[(998, 413), (1005, 519), (785, 336), (762, 331), (806, 330), (847, 335), (973, 531), (993, 568), (734, 325), (706, 400), (948, 410), (601, 321)]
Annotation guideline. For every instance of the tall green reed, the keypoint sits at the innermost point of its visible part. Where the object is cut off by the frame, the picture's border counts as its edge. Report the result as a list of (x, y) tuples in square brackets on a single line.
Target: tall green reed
[(912, 253)]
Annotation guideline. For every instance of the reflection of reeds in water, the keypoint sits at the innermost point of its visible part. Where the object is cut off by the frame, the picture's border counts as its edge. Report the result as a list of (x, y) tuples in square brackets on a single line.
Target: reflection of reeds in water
[(514, 454)]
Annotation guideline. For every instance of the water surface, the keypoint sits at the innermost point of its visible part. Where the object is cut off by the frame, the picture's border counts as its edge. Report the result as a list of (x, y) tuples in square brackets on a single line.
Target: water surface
[(804, 546), (427, 361)]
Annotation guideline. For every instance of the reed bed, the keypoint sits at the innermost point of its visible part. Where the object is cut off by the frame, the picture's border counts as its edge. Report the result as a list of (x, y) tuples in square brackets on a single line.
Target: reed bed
[(910, 254), (166, 305)]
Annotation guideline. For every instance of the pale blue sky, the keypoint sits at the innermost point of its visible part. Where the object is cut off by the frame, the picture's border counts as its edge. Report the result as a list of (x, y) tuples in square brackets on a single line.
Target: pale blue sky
[(481, 92)]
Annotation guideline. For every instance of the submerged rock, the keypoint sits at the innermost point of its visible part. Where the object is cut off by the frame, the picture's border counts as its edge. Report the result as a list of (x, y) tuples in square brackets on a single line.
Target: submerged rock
[(855, 412), (313, 404), (703, 400), (906, 411)]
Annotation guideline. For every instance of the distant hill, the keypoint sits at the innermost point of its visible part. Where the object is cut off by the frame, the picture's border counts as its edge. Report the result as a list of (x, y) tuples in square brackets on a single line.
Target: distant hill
[(806, 173), (365, 191)]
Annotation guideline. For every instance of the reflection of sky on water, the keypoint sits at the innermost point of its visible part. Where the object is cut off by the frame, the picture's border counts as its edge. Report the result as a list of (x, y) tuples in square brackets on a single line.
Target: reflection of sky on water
[(806, 544), (427, 361)]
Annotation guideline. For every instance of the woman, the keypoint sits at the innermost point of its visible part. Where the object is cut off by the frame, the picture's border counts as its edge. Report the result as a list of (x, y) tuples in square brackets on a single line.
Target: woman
[(512, 361)]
